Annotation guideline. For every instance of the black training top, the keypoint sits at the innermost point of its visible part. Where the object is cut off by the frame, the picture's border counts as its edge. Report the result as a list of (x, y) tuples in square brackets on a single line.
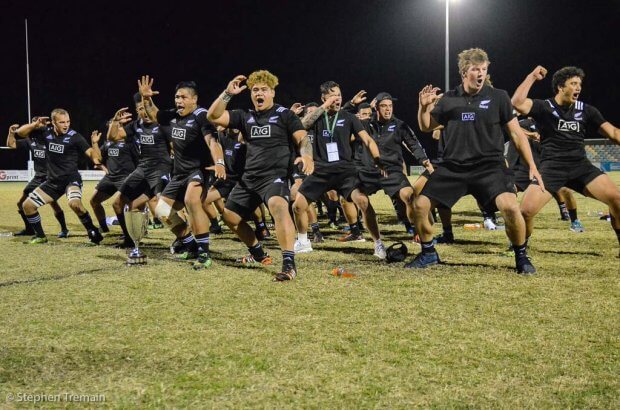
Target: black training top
[(473, 125), (63, 151), (344, 124), (120, 158), (269, 138), (188, 134), (563, 129), (153, 143), (390, 137)]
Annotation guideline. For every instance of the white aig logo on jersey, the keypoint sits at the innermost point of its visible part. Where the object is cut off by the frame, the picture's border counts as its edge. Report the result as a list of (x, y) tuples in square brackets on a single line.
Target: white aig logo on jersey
[(178, 133), (568, 126), (468, 116), (260, 132), (113, 152), (147, 139), (57, 148), (38, 153)]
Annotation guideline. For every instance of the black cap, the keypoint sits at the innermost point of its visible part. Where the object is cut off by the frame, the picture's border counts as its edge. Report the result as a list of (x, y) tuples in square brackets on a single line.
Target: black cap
[(384, 96)]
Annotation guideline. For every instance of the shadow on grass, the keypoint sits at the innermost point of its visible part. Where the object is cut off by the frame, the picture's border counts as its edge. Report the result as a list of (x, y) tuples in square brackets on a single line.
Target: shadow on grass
[(50, 278), (590, 253)]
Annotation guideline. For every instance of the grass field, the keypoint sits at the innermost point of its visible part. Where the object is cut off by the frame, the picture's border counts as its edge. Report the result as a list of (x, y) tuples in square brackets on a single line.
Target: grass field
[(468, 333)]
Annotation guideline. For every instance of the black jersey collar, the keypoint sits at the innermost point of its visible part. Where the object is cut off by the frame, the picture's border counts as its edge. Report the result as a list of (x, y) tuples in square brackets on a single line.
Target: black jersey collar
[(460, 91)]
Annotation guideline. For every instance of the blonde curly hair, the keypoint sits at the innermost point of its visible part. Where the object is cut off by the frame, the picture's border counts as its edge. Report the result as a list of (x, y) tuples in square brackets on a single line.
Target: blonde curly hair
[(262, 77), (472, 56)]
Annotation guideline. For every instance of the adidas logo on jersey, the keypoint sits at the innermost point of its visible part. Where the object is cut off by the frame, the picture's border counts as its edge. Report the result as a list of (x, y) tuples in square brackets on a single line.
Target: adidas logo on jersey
[(260, 132), (178, 133), (278, 181), (281, 109), (251, 120), (113, 152), (57, 148), (568, 126)]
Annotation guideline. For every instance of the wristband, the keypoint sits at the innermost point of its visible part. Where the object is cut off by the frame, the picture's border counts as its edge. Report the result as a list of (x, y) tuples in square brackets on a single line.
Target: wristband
[(226, 96), (220, 162)]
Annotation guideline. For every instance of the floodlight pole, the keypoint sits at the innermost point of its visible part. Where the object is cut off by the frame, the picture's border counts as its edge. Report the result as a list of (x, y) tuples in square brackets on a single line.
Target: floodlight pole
[(30, 161), (447, 45)]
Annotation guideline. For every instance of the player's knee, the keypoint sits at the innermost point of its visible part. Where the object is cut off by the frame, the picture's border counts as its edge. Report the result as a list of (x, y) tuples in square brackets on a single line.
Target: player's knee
[(422, 204), (33, 202), (163, 210), (300, 205), (76, 205)]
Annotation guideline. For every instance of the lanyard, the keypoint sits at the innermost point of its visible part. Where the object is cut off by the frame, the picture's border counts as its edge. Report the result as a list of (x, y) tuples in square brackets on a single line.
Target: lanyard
[(331, 129)]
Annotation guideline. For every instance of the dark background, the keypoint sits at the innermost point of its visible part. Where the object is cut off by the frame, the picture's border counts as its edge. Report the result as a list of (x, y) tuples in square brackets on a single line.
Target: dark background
[(86, 57)]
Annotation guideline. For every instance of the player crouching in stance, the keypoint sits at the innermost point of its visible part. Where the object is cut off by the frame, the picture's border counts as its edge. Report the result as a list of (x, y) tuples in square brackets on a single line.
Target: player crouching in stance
[(64, 146), (562, 122), (195, 145), (268, 131), (473, 157)]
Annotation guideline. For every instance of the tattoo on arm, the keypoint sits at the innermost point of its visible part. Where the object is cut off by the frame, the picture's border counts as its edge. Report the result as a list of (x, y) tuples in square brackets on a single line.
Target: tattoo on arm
[(309, 120), (305, 147)]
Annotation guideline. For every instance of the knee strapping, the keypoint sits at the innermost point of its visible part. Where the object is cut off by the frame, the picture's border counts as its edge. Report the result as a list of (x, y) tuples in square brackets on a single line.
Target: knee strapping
[(74, 195), (167, 215), (36, 199)]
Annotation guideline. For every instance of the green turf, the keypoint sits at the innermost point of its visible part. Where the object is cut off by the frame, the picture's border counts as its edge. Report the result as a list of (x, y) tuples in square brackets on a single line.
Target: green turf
[(469, 333)]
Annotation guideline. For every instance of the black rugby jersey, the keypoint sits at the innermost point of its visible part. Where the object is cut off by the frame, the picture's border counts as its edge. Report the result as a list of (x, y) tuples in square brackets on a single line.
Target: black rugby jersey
[(63, 152), (473, 125), (120, 158), (153, 143), (234, 155), (188, 133), (346, 124), (36, 144), (269, 138), (563, 129)]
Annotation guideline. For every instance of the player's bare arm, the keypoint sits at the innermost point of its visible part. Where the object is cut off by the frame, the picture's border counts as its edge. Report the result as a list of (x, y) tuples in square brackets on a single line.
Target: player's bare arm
[(310, 118), (116, 132), (519, 98), (145, 87), (10, 138), (305, 150), (217, 113), (26, 129), (217, 153), (523, 147), (427, 99)]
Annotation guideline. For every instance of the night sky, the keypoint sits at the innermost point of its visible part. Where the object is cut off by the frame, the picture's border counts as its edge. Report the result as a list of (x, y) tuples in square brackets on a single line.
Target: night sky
[(87, 58)]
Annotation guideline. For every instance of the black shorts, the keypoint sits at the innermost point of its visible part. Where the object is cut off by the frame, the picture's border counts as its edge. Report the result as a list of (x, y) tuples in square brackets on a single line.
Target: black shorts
[(35, 182), (522, 179), (56, 188), (109, 185), (372, 181), (177, 186), (316, 184), (225, 186), (573, 175), (246, 196), (485, 182), (149, 182)]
